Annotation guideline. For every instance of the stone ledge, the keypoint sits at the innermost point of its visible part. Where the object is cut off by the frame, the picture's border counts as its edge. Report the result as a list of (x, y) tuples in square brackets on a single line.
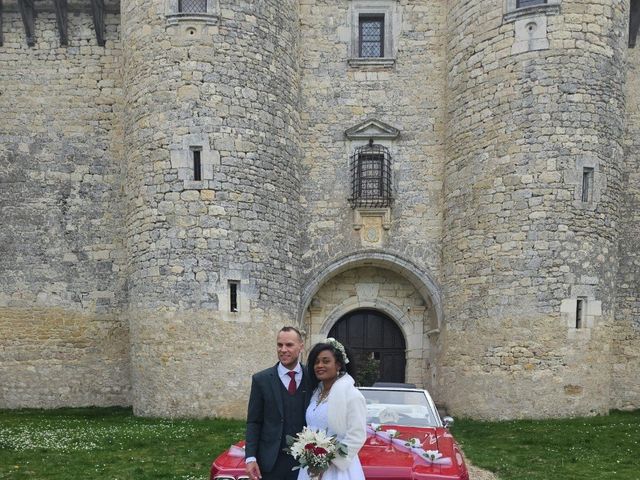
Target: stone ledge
[(175, 18), (371, 62), (547, 9)]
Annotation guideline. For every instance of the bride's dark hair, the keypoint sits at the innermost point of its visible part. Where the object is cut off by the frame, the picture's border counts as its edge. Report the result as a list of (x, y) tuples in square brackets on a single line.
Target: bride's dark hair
[(337, 354)]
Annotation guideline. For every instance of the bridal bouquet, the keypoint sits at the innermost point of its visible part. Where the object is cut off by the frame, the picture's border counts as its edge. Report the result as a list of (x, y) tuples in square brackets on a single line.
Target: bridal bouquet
[(314, 450)]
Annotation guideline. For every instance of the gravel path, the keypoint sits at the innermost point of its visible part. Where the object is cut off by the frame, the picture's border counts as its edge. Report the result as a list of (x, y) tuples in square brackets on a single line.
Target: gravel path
[(476, 473)]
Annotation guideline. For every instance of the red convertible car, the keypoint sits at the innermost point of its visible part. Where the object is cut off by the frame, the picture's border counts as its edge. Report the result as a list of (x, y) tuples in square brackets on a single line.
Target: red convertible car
[(406, 440)]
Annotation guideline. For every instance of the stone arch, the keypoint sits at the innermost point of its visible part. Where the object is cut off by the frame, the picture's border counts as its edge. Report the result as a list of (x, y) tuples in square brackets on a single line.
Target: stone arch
[(421, 279)]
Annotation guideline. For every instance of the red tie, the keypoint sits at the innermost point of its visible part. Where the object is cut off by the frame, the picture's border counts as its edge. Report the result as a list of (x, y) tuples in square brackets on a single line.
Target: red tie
[(292, 383)]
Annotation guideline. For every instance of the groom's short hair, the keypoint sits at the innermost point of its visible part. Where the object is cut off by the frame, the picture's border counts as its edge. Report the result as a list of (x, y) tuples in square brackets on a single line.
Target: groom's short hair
[(292, 329)]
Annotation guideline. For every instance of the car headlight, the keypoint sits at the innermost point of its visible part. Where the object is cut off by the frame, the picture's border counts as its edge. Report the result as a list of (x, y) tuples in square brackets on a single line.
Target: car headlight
[(225, 477)]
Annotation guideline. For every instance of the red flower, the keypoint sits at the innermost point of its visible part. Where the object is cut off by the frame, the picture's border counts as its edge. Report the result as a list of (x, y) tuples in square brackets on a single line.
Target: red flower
[(310, 446), (319, 451)]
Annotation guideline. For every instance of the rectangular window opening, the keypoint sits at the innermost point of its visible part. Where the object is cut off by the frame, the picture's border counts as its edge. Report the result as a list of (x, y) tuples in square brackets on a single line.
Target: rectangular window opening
[(529, 3), (634, 22), (581, 303), (192, 6), (371, 175), (196, 154), (234, 291), (587, 184), (371, 36)]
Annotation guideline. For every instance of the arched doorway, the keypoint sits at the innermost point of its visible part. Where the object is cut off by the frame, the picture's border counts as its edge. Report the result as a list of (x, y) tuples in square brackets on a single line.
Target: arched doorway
[(372, 335)]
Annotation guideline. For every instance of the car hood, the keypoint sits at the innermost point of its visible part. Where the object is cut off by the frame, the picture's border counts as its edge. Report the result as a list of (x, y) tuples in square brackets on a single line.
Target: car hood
[(380, 459)]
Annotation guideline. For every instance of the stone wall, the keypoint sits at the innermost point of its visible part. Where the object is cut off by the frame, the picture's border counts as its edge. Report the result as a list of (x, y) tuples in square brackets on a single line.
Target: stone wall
[(337, 94), (387, 292), (228, 87), (626, 383), (115, 250), (520, 247), (62, 341)]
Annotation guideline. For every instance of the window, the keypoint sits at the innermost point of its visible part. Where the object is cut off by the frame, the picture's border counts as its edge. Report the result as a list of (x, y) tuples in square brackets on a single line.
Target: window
[(197, 164), (371, 36), (192, 12), (375, 27), (587, 184), (529, 3), (371, 176), (525, 9), (634, 22), (580, 308), (234, 290), (192, 6)]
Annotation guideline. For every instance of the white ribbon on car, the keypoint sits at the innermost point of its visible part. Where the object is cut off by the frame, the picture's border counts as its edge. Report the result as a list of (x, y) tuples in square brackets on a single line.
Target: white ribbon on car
[(236, 451), (426, 456)]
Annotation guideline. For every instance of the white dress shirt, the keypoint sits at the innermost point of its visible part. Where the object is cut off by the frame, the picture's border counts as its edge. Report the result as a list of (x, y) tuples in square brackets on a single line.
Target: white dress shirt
[(283, 372)]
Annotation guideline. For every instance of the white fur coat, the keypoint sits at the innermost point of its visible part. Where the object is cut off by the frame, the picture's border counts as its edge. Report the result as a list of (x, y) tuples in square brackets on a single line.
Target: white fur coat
[(347, 418)]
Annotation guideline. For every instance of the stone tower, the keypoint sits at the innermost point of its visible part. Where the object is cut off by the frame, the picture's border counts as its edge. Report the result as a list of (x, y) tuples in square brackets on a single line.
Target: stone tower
[(213, 255), (532, 200)]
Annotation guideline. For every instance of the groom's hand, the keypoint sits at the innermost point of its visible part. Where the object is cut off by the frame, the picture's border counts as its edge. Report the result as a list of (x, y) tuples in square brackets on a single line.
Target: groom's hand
[(253, 470)]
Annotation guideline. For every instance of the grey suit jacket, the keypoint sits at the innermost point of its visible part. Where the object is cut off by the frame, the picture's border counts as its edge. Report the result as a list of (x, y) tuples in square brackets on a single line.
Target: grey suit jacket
[(265, 416)]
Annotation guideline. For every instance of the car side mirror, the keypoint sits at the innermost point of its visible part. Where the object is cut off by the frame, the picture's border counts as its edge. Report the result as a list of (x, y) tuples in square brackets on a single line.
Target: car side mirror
[(448, 421)]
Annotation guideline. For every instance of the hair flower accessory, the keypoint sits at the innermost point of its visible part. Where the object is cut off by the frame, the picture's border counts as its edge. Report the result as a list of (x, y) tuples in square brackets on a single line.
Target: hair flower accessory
[(338, 346)]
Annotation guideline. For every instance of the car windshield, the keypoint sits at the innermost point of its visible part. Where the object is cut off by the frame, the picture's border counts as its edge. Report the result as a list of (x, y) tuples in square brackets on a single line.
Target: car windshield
[(399, 407)]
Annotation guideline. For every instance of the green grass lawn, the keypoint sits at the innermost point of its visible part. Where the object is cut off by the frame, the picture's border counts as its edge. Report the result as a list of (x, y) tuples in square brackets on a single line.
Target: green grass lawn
[(110, 443), (593, 448)]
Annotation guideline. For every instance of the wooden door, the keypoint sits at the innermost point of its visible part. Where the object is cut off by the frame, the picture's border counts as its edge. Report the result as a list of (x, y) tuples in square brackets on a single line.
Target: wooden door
[(371, 334)]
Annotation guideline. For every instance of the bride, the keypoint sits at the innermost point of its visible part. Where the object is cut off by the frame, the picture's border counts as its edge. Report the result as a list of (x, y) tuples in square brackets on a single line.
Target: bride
[(337, 407)]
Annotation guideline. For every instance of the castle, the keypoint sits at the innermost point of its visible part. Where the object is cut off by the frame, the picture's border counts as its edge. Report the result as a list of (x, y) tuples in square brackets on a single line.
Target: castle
[(452, 187)]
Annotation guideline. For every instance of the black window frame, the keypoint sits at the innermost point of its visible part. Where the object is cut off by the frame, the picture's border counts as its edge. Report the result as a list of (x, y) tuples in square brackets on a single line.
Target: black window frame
[(363, 163)]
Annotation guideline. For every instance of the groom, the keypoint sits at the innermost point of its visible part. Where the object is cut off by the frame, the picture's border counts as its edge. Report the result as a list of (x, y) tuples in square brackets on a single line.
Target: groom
[(277, 404)]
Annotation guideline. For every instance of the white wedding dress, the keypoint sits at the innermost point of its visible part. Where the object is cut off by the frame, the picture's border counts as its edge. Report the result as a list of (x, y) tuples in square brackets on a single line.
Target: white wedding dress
[(318, 419)]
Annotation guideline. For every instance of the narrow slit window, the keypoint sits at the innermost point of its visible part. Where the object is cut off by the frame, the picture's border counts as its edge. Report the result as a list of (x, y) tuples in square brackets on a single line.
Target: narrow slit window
[(580, 307), (634, 22), (196, 154), (234, 292), (371, 34), (587, 184)]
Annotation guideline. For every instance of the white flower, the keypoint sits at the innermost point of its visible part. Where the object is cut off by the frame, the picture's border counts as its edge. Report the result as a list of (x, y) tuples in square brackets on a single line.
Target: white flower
[(432, 455), (315, 449), (338, 346), (413, 443), (392, 432)]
